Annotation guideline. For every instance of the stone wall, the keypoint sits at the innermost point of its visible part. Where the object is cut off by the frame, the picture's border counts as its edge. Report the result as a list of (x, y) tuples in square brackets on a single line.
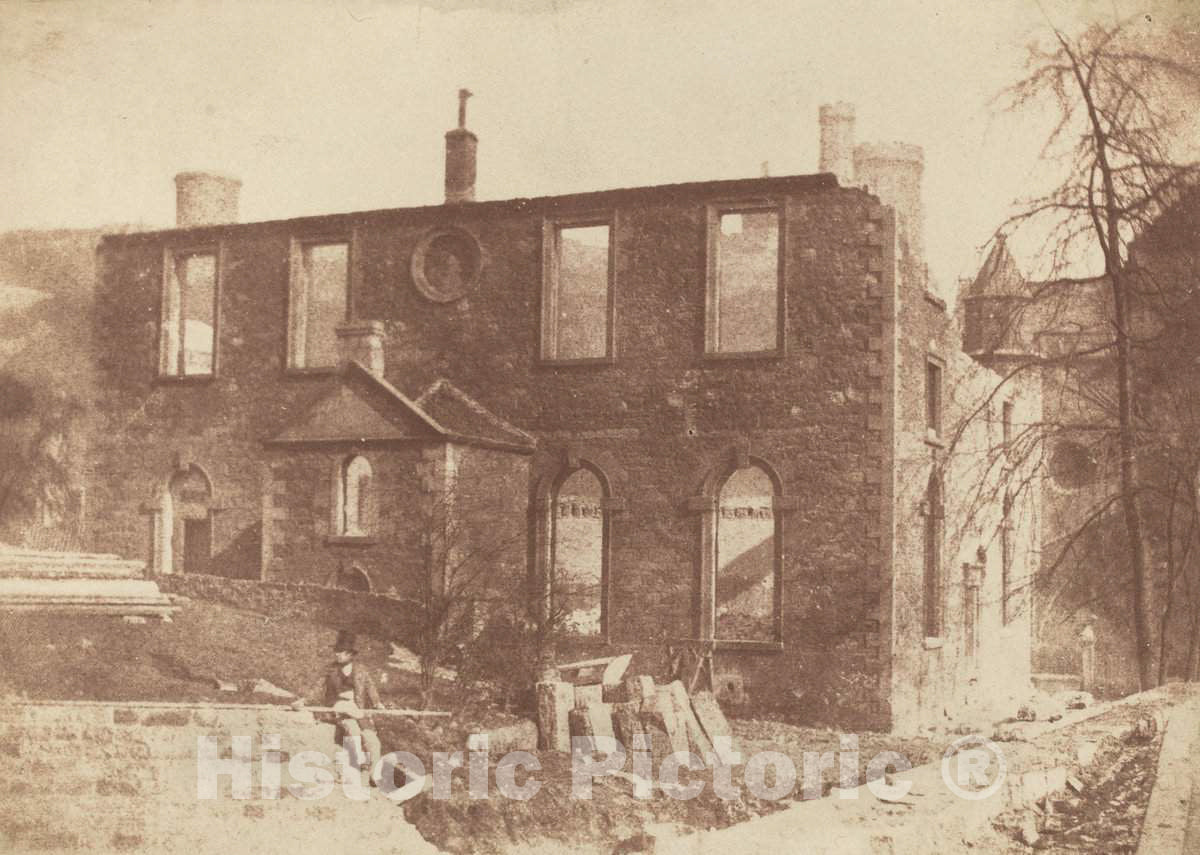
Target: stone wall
[(123, 778), (663, 420), (377, 615)]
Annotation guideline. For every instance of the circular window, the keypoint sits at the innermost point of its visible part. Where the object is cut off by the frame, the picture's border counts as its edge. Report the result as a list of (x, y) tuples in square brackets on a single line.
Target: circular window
[(1072, 466), (445, 264)]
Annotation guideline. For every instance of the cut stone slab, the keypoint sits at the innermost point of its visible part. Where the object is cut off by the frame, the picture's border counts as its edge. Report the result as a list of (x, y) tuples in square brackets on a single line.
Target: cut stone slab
[(555, 699), (77, 582), (683, 707), (585, 695), (660, 712), (716, 726), (627, 722), (593, 721)]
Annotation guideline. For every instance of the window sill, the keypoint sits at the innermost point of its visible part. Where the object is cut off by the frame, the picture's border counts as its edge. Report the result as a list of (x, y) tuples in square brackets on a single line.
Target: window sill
[(746, 355), (184, 379), (551, 362), (324, 371), (734, 646), (933, 438), (350, 540), (934, 643)]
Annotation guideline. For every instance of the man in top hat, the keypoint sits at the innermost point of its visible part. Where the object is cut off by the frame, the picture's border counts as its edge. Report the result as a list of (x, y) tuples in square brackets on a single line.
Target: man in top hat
[(349, 689)]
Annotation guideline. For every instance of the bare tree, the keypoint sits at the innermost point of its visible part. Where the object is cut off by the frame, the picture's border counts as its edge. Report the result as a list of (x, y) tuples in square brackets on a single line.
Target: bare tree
[(1117, 99)]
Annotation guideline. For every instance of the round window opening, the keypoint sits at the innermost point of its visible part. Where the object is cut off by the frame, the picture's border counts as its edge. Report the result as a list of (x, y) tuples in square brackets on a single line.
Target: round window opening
[(445, 264), (1072, 466)]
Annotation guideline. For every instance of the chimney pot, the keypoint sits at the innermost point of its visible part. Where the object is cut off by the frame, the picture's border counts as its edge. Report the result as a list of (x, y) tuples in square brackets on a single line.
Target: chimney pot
[(205, 199), (461, 146), (837, 140), (362, 342)]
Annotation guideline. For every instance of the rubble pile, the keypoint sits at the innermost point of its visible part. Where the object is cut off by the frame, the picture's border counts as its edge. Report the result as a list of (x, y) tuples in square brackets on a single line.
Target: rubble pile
[(595, 700)]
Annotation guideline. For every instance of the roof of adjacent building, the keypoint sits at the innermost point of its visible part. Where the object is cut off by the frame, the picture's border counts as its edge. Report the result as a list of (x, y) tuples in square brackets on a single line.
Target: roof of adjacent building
[(999, 276)]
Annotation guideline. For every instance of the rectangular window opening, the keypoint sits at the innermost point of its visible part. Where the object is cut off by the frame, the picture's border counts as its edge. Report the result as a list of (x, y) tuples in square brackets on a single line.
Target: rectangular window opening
[(577, 303), (744, 290), (189, 340), (933, 398), (319, 303)]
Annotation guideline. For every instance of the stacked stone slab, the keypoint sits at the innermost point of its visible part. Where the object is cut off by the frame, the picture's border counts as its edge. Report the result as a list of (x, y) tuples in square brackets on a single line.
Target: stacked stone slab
[(671, 719), (123, 778), (34, 580)]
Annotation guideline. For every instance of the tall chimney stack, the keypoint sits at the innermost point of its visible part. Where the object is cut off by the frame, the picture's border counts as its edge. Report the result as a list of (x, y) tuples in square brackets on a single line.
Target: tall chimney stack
[(205, 199), (892, 171), (837, 140), (460, 157)]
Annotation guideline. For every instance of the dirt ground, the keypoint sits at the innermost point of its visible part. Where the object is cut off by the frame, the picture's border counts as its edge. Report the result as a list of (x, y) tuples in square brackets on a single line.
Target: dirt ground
[(614, 818), (1106, 816)]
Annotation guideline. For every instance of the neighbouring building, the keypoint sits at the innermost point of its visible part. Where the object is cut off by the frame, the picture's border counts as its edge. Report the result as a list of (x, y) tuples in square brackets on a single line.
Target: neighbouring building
[(726, 411), (1061, 333)]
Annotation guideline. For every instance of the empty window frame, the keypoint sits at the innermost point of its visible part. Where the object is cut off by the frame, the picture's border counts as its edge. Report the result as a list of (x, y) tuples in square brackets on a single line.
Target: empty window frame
[(577, 290), (1006, 423), (933, 512), (352, 506), (578, 535), (318, 302), (933, 398), (748, 559), (745, 305), (188, 336)]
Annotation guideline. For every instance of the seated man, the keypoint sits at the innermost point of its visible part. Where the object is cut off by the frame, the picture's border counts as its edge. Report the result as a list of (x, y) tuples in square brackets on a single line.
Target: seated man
[(350, 691)]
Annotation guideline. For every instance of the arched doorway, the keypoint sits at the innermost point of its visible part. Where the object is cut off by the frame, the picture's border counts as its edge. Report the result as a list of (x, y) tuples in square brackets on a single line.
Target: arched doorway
[(187, 517)]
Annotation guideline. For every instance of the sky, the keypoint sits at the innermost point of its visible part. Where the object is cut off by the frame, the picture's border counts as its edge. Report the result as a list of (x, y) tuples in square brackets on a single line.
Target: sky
[(322, 106)]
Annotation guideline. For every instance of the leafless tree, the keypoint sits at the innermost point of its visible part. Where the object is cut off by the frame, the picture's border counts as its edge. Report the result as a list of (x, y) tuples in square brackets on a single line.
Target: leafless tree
[(1118, 97)]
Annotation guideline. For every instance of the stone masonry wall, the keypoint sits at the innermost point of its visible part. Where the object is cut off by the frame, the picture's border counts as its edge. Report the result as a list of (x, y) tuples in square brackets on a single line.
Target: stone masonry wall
[(661, 417)]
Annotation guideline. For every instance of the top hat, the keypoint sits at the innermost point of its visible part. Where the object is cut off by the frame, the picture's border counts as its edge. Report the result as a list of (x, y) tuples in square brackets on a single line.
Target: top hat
[(345, 641)]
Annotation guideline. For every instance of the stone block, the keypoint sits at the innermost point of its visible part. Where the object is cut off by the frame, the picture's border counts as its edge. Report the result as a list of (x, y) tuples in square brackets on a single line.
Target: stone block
[(555, 700), (716, 726), (691, 725), (585, 695), (627, 721), (660, 713)]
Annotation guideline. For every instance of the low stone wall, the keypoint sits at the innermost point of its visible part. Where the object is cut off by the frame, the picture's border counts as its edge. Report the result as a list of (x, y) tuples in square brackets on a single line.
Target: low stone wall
[(375, 615), (104, 777)]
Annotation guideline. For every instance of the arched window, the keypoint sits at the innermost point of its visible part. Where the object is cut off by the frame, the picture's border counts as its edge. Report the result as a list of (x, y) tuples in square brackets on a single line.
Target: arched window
[(354, 579), (578, 550), (748, 557), (354, 497), (932, 565)]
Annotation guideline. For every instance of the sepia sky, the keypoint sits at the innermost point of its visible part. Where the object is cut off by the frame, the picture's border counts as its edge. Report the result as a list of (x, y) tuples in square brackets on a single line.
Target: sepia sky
[(335, 106)]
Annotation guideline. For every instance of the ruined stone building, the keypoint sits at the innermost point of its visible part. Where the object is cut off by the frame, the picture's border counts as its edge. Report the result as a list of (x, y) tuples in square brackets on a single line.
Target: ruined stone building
[(724, 411)]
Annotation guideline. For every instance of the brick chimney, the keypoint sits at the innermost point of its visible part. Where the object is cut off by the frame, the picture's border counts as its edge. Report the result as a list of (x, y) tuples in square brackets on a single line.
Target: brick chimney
[(362, 342), (460, 157), (837, 140), (205, 199), (892, 171)]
